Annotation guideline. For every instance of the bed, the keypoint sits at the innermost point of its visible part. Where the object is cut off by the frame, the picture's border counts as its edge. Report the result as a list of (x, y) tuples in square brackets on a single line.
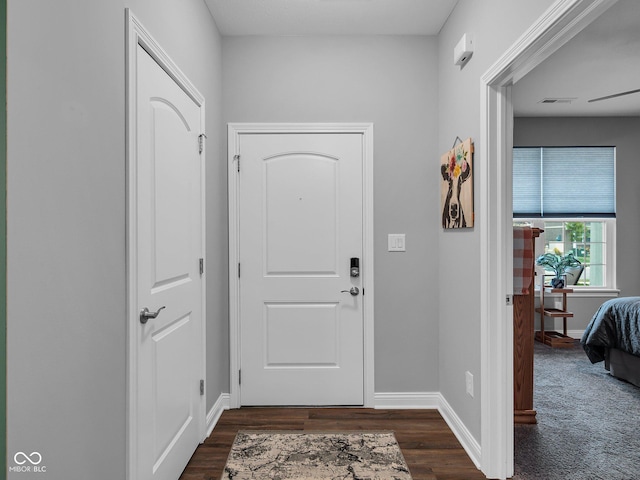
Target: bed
[(613, 336)]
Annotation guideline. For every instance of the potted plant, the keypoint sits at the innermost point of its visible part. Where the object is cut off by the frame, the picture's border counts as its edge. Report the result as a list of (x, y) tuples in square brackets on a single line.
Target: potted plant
[(557, 264)]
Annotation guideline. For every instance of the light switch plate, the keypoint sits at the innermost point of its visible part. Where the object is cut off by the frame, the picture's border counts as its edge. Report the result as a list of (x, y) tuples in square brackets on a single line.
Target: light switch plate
[(397, 242)]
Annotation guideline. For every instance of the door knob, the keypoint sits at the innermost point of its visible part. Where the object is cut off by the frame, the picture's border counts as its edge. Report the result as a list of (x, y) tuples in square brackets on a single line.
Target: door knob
[(145, 314), (353, 291)]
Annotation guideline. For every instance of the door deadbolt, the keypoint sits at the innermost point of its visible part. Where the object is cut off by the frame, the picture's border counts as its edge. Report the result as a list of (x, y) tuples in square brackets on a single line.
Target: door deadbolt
[(354, 271)]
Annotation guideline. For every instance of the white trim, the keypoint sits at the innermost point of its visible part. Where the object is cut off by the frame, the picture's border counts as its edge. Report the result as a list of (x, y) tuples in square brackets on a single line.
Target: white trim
[(407, 400), (496, 371), (233, 134), (464, 436), (234, 254), (136, 35), (222, 404), (574, 333), (584, 292), (563, 20)]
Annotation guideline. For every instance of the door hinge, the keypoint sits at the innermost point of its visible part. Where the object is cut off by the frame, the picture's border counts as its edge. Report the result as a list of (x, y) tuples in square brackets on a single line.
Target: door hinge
[(236, 158), (239, 377), (201, 138), (238, 269), (202, 266), (201, 387)]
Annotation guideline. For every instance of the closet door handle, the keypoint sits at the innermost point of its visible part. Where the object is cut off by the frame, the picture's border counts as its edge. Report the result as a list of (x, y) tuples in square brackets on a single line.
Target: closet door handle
[(146, 314)]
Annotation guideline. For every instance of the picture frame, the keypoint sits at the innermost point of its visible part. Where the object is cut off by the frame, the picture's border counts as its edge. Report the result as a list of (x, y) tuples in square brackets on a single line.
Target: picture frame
[(456, 186)]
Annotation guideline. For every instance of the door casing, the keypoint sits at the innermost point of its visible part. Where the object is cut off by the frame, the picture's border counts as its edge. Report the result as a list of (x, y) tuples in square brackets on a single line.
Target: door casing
[(235, 131), (136, 35), (559, 24)]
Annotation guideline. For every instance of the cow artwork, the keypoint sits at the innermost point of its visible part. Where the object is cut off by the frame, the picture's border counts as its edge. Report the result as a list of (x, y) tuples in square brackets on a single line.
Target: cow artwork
[(456, 190)]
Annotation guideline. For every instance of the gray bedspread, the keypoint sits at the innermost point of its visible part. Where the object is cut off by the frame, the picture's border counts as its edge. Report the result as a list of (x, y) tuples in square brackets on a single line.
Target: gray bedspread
[(616, 324)]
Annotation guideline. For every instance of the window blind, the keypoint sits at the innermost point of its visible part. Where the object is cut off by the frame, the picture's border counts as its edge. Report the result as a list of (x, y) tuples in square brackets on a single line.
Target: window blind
[(564, 182)]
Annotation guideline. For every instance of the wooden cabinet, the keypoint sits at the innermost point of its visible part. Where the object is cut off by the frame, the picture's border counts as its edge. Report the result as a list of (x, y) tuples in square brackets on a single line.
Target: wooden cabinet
[(523, 358), (523, 331)]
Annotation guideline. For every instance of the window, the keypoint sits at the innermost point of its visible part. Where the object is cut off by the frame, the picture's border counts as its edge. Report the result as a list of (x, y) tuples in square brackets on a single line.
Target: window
[(590, 240), (569, 192)]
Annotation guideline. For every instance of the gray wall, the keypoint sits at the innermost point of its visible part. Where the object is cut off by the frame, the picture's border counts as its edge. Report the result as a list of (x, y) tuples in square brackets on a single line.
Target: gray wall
[(66, 200), (392, 82), (621, 132), (66, 222), (496, 25)]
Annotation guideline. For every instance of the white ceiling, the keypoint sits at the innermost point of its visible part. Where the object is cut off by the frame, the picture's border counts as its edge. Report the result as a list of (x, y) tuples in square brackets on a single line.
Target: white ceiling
[(603, 59), (330, 17)]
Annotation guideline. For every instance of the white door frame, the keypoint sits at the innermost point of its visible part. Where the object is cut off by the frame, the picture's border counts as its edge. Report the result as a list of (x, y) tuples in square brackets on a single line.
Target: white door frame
[(235, 130), (136, 35), (561, 22)]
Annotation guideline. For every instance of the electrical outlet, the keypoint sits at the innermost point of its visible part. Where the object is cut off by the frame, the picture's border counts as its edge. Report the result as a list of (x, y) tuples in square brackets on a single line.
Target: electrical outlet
[(557, 304), (469, 381)]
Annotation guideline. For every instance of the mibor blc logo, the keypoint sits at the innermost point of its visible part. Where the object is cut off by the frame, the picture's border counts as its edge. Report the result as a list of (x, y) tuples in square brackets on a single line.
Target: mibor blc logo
[(28, 463)]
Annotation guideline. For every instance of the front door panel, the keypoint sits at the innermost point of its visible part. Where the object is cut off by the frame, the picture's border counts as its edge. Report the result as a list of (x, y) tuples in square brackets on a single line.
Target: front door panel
[(300, 223)]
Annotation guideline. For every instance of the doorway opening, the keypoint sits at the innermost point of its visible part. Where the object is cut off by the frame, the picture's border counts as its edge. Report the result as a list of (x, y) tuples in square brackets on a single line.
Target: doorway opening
[(563, 20)]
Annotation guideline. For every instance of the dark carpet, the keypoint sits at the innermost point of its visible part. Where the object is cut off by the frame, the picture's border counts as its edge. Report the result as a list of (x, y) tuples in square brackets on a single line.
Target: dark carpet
[(588, 421)]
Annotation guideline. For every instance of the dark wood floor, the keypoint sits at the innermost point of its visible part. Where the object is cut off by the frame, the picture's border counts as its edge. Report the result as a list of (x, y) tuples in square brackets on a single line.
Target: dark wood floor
[(428, 445)]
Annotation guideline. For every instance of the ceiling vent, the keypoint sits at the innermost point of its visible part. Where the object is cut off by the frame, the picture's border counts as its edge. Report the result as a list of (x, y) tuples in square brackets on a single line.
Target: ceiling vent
[(557, 100)]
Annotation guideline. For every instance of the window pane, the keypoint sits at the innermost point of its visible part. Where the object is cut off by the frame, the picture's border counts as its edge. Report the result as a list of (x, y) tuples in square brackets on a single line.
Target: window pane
[(554, 237), (575, 231), (597, 254)]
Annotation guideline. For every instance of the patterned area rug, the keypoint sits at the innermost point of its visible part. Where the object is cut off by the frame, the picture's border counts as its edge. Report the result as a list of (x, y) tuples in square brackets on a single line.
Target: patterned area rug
[(315, 456)]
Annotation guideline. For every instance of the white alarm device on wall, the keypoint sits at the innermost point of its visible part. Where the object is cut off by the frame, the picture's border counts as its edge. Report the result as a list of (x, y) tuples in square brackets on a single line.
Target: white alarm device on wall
[(463, 50)]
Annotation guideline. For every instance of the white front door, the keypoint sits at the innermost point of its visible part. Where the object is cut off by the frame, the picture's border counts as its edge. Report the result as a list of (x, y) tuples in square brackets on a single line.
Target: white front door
[(169, 228), (300, 224)]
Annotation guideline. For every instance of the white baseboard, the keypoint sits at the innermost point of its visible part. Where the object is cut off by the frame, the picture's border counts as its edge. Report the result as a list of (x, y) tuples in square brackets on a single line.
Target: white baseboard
[(433, 400), (213, 415), (575, 333), (407, 400), (462, 433)]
